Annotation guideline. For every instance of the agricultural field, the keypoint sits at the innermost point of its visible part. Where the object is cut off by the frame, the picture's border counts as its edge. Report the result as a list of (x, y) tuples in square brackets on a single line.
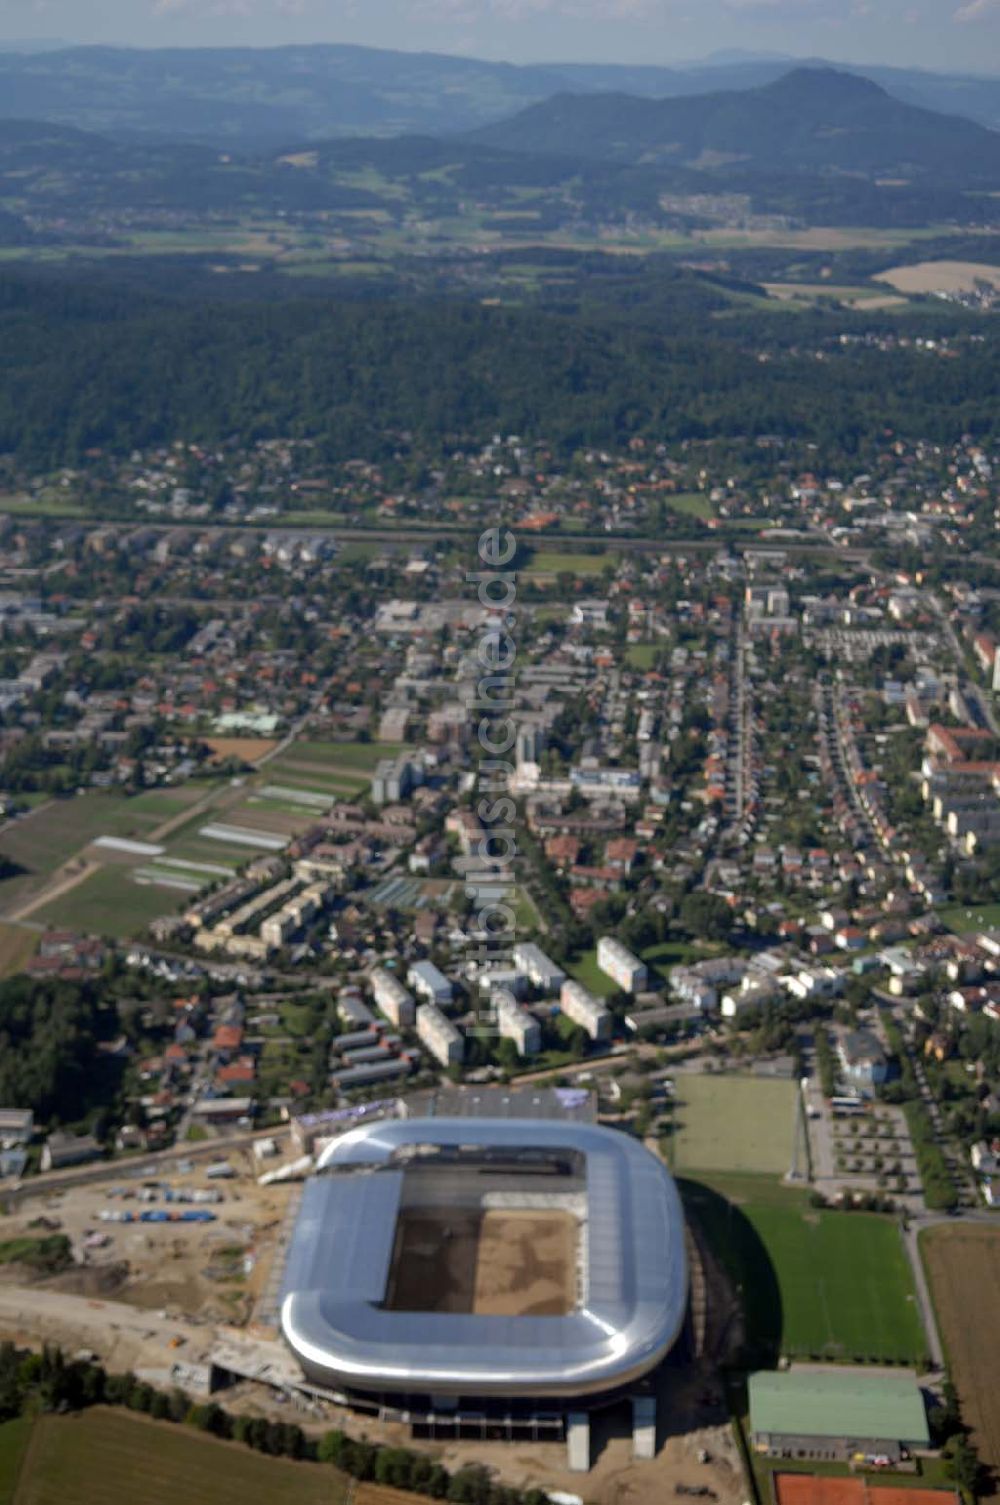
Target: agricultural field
[(110, 902), (339, 769), (816, 238), (17, 946), (346, 755), (963, 1267), (103, 1457), (56, 831), (940, 276), (732, 1123), (379, 1494), (14, 1438), (814, 1284), (41, 842), (808, 294)]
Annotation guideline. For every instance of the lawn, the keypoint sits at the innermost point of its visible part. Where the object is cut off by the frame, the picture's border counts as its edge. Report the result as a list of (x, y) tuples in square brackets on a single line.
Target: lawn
[(546, 562), (104, 1457), (642, 655), (361, 756), (667, 954), (733, 1123), (110, 902), (964, 917), (691, 504), (589, 973), (814, 1284)]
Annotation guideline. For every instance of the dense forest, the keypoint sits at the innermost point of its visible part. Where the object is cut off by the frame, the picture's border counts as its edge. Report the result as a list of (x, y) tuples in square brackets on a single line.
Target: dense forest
[(90, 367), (49, 1057)]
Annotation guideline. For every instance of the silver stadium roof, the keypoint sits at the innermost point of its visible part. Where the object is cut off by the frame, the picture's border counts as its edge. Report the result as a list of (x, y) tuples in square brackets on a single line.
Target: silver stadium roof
[(629, 1314)]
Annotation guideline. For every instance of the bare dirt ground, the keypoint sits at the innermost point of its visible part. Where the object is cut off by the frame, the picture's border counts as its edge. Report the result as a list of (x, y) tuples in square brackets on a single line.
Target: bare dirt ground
[(940, 276), (211, 1271), (247, 749), (961, 1261), (154, 1296), (690, 1420), (509, 1263)]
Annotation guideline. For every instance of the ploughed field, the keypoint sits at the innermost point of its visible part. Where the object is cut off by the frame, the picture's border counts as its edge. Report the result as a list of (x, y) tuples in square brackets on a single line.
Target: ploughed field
[(963, 1266), (510, 1263)]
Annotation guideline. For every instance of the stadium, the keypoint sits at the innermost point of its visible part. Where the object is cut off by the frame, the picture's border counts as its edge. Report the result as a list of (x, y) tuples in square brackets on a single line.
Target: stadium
[(448, 1264)]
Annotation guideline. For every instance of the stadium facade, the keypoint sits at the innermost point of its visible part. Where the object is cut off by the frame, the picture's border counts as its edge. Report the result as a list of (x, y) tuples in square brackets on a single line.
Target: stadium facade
[(626, 1291)]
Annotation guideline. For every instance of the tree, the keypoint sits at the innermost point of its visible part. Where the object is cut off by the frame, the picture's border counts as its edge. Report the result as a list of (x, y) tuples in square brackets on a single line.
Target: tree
[(707, 916), (964, 1465)]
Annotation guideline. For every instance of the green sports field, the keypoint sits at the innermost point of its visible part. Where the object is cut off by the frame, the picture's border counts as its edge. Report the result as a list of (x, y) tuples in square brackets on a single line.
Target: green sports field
[(112, 1458), (732, 1123), (813, 1284)]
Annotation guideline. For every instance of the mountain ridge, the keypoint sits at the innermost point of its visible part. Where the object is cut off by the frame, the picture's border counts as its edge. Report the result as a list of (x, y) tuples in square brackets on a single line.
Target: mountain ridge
[(811, 119), (256, 97)]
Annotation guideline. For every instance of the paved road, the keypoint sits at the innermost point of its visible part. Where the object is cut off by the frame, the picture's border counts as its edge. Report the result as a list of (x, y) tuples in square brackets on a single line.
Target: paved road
[(415, 533), (156, 1162), (911, 1237)]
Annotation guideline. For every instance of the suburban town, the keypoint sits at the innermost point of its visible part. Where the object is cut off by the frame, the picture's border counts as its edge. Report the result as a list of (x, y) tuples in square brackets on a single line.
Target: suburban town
[(742, 829)]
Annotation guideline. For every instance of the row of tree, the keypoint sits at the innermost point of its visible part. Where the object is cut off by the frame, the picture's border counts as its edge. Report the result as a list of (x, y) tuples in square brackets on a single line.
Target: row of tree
[(47, 1381)]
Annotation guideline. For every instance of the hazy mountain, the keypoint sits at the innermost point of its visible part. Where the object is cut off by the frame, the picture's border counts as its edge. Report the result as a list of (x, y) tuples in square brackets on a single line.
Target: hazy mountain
[(33, 44), (267, 97), (811, 120)]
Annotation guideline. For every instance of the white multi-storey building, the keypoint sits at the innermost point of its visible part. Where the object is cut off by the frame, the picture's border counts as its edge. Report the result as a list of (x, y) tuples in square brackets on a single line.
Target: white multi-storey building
[(621, 965), (541, 969), (585, 1010), (392, 999), (515, 1023), (439, 1035), (430, 982)]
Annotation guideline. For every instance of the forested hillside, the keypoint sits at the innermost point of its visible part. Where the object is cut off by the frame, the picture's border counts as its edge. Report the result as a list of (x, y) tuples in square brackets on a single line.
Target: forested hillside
[(86, 368)]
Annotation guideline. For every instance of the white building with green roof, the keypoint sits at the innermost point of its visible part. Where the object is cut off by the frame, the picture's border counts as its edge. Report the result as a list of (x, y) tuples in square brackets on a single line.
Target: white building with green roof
[(853, 1414)]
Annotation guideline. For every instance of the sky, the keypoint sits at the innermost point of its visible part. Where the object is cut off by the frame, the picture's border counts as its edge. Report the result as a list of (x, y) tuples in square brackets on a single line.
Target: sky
[(946, 35)]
